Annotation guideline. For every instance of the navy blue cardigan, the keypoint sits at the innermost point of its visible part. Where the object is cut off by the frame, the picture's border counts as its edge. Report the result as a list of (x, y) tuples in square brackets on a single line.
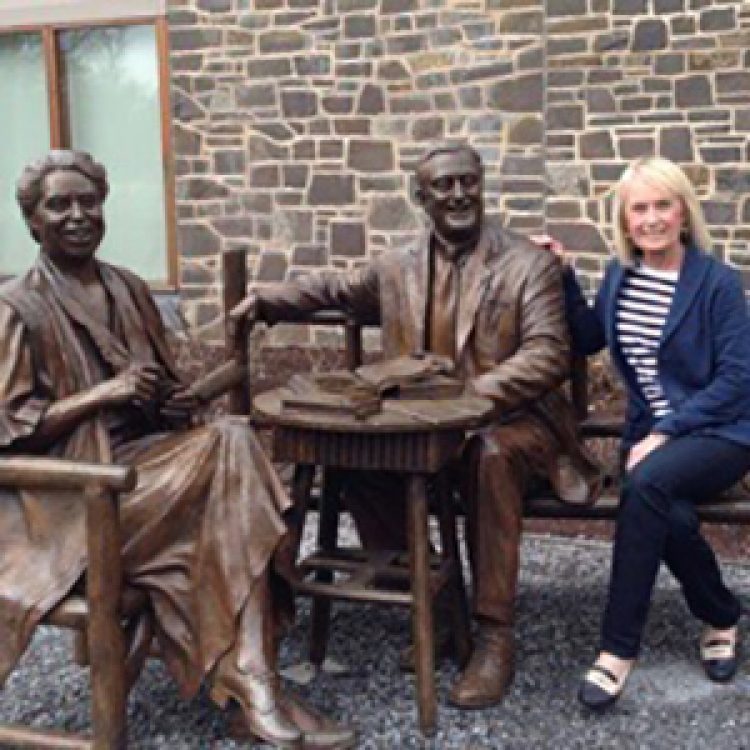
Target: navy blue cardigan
[(703, 360)]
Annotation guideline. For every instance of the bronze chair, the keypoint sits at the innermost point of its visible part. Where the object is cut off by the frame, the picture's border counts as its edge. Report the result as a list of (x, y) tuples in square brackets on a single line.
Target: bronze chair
[(110, 619), (100, 615)]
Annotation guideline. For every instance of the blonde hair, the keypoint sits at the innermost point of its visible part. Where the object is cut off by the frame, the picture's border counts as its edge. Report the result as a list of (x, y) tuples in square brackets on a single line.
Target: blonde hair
[(666, 175)]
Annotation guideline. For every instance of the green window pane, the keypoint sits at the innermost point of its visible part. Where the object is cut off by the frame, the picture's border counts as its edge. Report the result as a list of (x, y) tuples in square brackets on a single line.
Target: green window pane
[(111, 83), (24, 136)]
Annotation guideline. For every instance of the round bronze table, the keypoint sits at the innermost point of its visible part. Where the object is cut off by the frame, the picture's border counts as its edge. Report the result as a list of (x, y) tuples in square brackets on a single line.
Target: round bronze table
[(417, 439)]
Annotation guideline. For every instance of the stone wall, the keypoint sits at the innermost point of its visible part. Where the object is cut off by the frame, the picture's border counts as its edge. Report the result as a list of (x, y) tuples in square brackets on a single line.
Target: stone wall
[(297, 123)]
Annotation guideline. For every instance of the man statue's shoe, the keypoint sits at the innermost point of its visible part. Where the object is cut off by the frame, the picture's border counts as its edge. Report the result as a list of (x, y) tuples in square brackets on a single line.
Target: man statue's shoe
[(489, 673)]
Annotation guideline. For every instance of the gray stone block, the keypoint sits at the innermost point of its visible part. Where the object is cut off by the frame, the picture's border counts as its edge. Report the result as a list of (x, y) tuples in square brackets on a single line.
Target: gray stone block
[(185, 108), (485, 72), (215, 6), (391, 213), (265, 176), (720, 213), (565, 117), (279, 42), (670, 64), (428, 129), (732, 83), (669, 6), (392, 70), (256, 96), (612, 41), (201, 188), (269, 67), (578, 236), (271, 267), (229, 161), (596, 145), (600, 100), (312, 65), (360, 26), (526, 131), (559, 8), (516, 165), (629, 7), (338, 104), (310, 255), (398, 6), (649, 34), (371, 100), (348, 239), (676, 143), (235, 227), (197, 241), (742, 119), (693, 91), (634, 147), (331, 190), (293, 226), (682, 25), (297, 103), (185, 142), (193, 39), (718, 19), (370, 156), (520, 94), (721, 154)]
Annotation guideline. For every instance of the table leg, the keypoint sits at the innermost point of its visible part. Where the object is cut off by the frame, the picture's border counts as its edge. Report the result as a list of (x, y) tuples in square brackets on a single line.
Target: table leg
[(422, 620), (451, 556), (285, 558), (328, 525)]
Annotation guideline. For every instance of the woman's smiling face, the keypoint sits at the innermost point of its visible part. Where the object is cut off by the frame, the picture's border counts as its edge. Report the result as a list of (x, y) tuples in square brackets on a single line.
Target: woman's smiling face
[(654, 219)]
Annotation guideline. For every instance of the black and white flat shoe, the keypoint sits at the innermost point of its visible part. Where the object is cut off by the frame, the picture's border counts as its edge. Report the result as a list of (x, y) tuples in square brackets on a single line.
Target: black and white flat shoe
[(718, 651), (600, 688)]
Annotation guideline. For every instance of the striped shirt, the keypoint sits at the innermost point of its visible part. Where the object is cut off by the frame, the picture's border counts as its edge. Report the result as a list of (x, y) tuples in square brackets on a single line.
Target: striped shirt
[(642, 308)]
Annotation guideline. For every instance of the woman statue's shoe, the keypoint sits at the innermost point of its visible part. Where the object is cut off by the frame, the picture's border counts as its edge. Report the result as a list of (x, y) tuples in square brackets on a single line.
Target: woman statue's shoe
[(258, 700), (318, 731)]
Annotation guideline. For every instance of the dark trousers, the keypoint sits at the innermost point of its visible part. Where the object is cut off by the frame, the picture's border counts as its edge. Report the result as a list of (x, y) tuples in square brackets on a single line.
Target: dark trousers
[(658, 521)]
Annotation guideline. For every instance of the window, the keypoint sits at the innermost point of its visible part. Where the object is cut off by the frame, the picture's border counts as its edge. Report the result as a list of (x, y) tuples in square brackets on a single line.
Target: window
[(75, 79)]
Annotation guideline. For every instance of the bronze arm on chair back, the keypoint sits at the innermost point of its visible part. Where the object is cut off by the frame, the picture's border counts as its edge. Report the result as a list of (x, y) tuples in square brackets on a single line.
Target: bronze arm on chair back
[(234, 274), (100, 614)]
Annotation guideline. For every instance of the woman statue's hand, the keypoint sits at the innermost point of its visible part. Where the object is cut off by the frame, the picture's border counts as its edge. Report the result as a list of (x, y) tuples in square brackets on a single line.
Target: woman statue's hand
[(138, 384)]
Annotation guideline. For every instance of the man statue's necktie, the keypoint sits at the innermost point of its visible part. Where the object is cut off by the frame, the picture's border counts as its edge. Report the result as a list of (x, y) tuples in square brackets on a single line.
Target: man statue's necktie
[(444, 307)]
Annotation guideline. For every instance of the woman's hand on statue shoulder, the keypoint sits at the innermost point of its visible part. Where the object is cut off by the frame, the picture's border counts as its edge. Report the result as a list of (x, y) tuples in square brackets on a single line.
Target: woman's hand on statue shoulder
[(549, 243)]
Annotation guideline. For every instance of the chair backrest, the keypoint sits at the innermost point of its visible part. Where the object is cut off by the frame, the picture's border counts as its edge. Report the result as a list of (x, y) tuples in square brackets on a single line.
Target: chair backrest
[(99, 486)]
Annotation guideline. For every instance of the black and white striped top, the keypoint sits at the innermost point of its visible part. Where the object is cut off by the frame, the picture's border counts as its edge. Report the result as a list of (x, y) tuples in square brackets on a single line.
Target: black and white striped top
[(642, 307)]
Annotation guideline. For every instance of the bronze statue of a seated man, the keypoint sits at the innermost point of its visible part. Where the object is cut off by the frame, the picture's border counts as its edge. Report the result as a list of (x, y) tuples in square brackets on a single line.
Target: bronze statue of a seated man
[(490, 300), (86, 373)]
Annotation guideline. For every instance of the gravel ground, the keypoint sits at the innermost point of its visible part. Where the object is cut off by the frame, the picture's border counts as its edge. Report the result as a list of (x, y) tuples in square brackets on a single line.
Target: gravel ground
[(668, 702)]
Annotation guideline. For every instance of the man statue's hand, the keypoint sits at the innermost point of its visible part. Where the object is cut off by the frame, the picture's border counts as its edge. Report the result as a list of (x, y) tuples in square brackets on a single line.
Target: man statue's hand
[(247, 311), (179, 406)]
